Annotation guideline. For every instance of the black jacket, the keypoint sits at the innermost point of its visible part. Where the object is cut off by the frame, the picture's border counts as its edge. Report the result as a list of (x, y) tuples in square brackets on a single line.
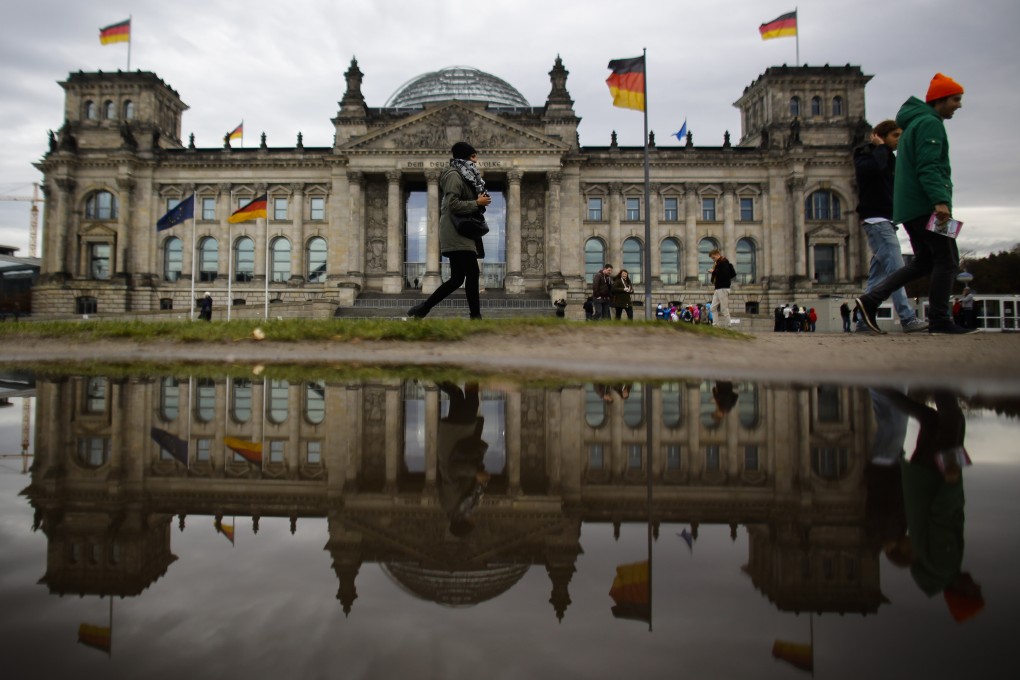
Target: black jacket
[(875, 166), (723, 273)]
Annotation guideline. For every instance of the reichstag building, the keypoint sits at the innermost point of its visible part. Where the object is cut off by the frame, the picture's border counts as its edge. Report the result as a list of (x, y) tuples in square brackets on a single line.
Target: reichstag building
[(359, 219)]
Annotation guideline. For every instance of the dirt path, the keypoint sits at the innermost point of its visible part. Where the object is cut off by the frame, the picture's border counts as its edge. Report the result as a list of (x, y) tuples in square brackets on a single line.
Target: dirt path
[(986, 362)]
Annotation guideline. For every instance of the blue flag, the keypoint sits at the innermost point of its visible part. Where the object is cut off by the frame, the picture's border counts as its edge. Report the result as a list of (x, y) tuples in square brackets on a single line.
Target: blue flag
[(172, 444), (184, 210), (688, 539), (682, 135)]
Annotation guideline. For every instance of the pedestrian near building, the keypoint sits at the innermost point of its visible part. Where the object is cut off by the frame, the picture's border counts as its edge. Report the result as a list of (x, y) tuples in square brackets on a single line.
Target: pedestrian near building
[(205, 307), (722, 274), (844, 312), (968, 313), (463, 194), (622, 291), (924, 188), (602, 292), (875, 166)]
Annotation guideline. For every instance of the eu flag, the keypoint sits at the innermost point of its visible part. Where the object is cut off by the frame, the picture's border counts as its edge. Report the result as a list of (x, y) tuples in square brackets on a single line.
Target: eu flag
[(172, 444), (184, 210)]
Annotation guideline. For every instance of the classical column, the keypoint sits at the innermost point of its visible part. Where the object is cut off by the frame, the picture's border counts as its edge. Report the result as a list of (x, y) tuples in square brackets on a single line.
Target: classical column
[(796, 188), (653, 267), (356, 252), (394, 424), (513, 442), (48, 214), (729, 226), (514, 281), (63, 230), (811, 261), (394, 282), (432, 278), (767, 269), (614, 249), (552, 227), (841, 262), (691, 235), (261, 242), (432, 411), (300, 249), (133, 243)]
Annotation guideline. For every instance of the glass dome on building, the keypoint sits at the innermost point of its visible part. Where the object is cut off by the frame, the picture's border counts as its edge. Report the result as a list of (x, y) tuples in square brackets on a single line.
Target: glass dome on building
[(456, 82)]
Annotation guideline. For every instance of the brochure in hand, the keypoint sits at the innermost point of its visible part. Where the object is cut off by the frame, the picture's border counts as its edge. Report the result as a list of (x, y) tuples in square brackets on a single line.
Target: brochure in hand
[(948, 227)]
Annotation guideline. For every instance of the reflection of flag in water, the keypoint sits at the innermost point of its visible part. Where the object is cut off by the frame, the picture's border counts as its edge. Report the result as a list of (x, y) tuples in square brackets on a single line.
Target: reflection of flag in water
[(250, 451), (688, 539), (172, 444), (97, 637), (225, 529), (632, 592), (795, 653)]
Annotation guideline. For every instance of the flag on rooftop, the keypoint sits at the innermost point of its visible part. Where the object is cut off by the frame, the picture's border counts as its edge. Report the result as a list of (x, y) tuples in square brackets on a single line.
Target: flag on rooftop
[(784, 26), (115, 33), (682, 134), (627, 83), (171, 443), (185, 210), (237, 133), (250, 451), (254, 208), (96, 637)]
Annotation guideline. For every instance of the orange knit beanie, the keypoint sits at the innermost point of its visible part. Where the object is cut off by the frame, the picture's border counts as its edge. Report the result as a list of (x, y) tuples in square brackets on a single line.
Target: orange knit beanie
[(942, 86)]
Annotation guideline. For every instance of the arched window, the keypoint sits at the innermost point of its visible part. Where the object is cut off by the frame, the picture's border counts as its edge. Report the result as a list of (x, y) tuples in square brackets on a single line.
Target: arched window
[(594, 407), (208, 259), (816, 106), (837, 106), (315, 401), (90, 110), (705, 246), (747, 404), (316, 258), (669, 261), (205, 400), (794, 106), (169, 398), (173, 258), (672, 404), (746, 261), (240, 400), (129, 110), (244, 259), (101, 205), (633, 406), (594, 258), (280, 259), (822, 205), (109, 110), (633, 259), (278, 406)]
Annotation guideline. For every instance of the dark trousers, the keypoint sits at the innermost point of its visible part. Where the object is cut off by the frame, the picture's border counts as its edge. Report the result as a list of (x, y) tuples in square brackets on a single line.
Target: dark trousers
[(629, 310), (935, 256), (463, 271)]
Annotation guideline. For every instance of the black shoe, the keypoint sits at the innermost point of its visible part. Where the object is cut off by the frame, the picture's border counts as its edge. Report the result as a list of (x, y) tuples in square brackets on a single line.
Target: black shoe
[(418, 311), (951, 329), (868, 314)]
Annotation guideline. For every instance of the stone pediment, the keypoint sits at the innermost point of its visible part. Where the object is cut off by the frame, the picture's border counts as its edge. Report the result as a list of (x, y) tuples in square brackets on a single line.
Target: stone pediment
[(436, 130), (827, 231)]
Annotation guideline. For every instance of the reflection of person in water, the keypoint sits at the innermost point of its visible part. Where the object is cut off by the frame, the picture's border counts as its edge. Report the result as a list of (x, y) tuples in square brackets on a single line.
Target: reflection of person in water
[(885, 519), (461, 450), (725, 399), (933, 499)]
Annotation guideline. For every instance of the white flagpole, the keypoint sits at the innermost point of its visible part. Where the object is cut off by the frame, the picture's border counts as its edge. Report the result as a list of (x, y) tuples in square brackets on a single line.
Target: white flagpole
[(796, 16), (194, 256), (647, 268), (129, 44), (268, 273), (230, 268), (189, 421)]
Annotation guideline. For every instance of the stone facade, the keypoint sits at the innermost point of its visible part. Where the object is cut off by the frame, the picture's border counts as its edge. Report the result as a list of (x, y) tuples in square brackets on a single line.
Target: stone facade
[(779, 202)]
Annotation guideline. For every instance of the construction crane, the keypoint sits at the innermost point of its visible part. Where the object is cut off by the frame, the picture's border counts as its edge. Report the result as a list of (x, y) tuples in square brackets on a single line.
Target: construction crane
[(33, 225)]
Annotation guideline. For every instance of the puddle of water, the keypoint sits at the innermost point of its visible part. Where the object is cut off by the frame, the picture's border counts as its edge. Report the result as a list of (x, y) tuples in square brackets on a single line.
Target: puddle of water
[(398, 527)]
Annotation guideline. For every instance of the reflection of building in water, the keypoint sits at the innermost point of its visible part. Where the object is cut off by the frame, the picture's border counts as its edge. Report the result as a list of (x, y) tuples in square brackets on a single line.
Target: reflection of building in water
[(786, 462)]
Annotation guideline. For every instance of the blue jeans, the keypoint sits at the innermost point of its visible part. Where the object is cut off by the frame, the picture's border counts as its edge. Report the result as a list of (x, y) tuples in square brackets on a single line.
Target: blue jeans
[(886, 258)]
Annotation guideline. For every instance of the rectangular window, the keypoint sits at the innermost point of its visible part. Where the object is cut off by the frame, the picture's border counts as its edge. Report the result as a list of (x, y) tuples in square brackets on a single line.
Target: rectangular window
[(595, 209), (828, 404), (672, 456), (634, 456), (99, 261), (279, 208), (825, 264), (204, 446), (671, 211), (633, 209), (276, 449), (708, 209), (318, 211), (712, 458), (209, 209), (172, 203), (746, 209), (596, 456), (313, 454), (751, 458)]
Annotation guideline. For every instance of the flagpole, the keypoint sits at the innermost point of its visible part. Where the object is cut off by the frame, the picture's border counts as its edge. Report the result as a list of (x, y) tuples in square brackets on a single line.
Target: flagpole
[(648, 224), (796, 14), (646, 406), (129, 44), (266, 218), (110, 653), (230, 268), (189, 423), (194, 256)]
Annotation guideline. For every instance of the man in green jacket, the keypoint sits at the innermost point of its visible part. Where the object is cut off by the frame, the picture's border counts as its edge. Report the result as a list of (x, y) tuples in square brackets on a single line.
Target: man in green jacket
[(924, 187)]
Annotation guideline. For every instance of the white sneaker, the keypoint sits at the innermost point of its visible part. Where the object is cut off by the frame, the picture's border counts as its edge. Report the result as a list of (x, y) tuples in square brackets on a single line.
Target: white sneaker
[(915, 325)]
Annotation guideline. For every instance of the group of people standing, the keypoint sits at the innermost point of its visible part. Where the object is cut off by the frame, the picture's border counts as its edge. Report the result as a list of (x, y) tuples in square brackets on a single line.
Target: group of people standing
[(792, 318), (608, 293)]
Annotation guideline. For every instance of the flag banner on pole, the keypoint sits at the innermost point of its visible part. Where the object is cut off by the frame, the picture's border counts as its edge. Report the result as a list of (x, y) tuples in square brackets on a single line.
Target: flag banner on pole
[(225, 529), (185, 210), (254, 208), (115, 33), (97, 637), (631, 592), (171, 443), (250, 451), (237, 133), (627, 83), (688, 539), (784, 26), (682, 134), (796, 654)]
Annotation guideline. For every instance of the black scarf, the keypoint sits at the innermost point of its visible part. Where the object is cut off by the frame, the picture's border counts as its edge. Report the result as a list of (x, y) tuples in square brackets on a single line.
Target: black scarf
[(470, 173)]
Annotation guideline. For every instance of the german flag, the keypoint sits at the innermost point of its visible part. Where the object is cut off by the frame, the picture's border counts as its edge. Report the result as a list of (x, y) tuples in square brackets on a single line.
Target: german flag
[(627, 83), (236, 133), (250, 451), (225, 529), (254, 208), (115, 33), (96, 637), (784, 26)]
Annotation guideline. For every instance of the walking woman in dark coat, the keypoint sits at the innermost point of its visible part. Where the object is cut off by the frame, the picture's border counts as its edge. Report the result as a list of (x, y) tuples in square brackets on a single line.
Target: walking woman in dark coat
[(622, 290)]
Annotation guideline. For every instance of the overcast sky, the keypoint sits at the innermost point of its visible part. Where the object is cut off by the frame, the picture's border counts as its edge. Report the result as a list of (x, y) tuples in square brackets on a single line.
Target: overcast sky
[(281, 70)]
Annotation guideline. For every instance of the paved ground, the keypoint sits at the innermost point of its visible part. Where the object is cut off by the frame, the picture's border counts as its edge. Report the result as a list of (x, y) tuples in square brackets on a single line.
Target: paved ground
[(985, 362)]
